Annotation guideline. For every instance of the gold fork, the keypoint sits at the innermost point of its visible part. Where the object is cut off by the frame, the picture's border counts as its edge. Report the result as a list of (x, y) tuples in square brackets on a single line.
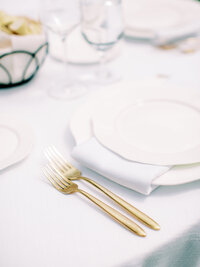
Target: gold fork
[(60, 165), (68, 187)]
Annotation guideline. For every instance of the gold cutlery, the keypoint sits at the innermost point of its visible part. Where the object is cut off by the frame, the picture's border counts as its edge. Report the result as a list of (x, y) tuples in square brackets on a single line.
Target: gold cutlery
[(66, 186), (69, 172)]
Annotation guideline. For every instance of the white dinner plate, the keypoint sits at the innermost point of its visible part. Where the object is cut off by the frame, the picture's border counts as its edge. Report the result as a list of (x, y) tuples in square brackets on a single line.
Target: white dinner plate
[(155, 125), (82, 120), (149, 18), (16, 141), (181, 174)]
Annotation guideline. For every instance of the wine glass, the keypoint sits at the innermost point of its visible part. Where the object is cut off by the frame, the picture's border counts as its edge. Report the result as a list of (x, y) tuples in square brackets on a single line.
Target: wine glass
[(60, 18), (102, 27)]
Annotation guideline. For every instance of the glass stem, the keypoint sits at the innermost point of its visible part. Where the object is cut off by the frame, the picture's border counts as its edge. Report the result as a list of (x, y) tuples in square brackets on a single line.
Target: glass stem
[(102, 70), (65, 61), (64, 42)]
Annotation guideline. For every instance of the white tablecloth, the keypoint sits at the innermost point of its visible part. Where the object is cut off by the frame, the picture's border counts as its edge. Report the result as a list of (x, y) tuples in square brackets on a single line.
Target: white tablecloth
[(41, 227)]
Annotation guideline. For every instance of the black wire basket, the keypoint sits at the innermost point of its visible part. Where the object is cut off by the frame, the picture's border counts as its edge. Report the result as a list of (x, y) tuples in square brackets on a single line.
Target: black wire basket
[(33, 62)]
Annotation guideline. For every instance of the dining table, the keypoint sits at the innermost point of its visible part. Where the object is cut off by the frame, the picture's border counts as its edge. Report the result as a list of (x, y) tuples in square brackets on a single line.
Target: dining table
[(41, 227)]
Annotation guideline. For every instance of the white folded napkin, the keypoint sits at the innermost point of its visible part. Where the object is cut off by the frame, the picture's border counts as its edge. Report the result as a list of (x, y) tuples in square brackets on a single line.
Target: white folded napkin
[(134, 175), (16, 63)]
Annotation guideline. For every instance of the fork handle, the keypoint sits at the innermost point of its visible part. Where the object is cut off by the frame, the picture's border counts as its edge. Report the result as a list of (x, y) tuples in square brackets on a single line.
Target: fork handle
[(120, 218), (139, 215)]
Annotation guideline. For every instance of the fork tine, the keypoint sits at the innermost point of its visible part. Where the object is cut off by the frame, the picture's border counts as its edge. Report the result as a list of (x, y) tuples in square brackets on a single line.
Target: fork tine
[(64, 177), (47, 154), (57, 170), (54, 176), (53, 159), (61, 157), (51, 180), (58, 175)]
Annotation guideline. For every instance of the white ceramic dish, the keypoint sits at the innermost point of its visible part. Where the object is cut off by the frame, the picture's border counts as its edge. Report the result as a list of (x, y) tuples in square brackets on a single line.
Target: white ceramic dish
[(151, 19), (16, 141), (82, 120), (179, 175), (155, 125)]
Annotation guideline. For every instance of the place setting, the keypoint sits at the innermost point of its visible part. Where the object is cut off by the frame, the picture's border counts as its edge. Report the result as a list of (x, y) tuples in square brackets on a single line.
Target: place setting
[(111, 132), (146, 135)]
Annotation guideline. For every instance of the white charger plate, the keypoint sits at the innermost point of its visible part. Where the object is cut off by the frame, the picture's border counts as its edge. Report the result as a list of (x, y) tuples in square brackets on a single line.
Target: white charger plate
[(16, 141), (155, 125), (82, 120), (148, 18)]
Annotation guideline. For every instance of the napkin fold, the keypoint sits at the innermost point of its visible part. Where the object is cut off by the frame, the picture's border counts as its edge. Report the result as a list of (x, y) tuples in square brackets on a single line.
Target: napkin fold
[(134, 175)]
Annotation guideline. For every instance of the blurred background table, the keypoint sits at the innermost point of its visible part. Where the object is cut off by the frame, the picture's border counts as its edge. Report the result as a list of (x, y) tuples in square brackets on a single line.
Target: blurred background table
[(35, 230)]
